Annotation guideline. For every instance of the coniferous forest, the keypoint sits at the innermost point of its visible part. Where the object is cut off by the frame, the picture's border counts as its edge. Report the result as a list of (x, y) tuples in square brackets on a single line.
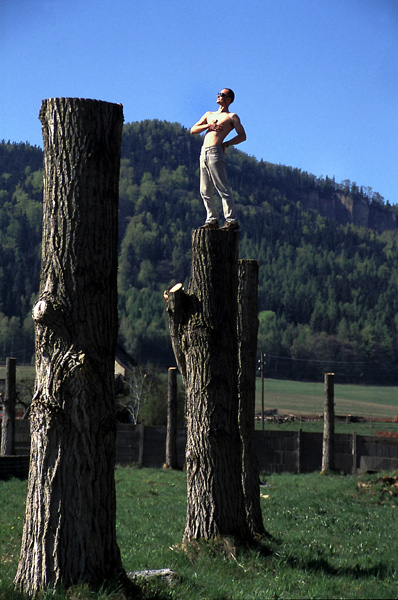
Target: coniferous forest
[(328, 289)]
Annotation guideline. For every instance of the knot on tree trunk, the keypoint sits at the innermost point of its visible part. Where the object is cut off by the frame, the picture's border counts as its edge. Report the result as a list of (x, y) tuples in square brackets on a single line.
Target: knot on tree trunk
[(40, 310), (48, 313)]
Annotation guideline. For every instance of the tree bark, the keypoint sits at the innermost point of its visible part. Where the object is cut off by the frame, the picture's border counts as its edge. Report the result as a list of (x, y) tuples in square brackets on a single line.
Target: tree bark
[(247, 352), (8, 422), (70, 530), (328, 424), (204, 336)]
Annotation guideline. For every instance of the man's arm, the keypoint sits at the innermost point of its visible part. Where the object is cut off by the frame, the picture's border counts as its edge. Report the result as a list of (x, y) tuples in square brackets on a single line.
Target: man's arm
[(203, 125), (240, 132)]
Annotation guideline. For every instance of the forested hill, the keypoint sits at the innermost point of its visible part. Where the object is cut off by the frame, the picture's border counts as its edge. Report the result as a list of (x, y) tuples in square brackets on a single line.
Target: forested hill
[(328, 294)]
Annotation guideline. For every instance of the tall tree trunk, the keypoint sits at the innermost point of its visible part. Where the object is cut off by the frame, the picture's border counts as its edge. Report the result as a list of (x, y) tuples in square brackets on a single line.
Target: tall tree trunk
[(8, 421), (204, 335), (247, 352), (70, 531)]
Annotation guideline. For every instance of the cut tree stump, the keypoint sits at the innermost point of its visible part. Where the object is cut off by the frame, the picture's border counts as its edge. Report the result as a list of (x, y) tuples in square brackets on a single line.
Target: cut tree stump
[(203, 328)]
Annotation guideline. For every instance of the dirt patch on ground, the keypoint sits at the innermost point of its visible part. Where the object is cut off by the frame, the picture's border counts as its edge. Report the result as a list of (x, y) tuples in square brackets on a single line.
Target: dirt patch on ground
[(383, 489)]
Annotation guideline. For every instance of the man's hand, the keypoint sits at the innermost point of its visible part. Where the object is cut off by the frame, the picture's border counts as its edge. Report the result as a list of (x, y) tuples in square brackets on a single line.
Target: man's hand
[(215, 126)]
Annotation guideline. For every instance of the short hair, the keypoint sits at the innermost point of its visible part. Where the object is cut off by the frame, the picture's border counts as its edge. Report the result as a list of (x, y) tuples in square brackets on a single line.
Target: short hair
[(231, 94)]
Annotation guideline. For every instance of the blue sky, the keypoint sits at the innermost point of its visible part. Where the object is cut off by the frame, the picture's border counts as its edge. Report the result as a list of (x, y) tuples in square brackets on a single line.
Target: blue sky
[(316, 81)]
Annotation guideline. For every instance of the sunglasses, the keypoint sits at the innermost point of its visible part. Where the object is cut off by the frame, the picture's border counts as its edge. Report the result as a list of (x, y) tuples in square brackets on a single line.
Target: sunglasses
[(223, 95)]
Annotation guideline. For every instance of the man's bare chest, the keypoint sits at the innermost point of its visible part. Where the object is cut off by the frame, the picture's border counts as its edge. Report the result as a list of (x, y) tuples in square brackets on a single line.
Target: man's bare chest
[(221, 119)]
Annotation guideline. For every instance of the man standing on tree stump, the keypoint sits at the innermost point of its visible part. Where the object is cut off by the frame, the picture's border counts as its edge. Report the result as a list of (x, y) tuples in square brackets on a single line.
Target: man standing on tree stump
[(217, 125)]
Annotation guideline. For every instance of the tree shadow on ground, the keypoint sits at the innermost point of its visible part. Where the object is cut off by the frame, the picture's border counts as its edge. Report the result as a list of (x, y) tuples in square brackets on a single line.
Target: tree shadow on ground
[(321, 564)]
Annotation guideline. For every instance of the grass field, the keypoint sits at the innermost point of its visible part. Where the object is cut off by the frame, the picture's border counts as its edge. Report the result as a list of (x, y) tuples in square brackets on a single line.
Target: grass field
[(333, 537), (296, 397), (22, 372)]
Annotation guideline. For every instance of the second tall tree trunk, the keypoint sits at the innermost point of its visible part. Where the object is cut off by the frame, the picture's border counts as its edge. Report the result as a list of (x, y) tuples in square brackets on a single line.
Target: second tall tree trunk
[(203, 326)]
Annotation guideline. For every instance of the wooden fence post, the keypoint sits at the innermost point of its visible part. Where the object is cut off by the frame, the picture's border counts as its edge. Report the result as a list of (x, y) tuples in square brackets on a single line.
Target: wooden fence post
[(171, 435), (262, 389), (8, 423), (328, 424), (299, 437), (141, 446), (354, 453)]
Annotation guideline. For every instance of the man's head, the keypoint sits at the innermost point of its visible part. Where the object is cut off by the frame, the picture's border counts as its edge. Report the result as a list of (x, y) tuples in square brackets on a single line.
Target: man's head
[(226, 94)]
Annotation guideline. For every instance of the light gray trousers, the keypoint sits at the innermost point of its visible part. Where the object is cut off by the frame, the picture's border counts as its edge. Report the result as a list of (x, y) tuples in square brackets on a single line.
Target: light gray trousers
[(213, 175)]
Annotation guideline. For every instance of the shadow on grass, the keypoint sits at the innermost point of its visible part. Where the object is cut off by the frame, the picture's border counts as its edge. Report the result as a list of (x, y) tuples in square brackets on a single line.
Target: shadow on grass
[(379, 570), (121, 588)]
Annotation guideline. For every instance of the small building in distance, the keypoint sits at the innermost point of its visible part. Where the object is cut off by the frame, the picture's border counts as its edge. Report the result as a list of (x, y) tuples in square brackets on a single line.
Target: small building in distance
[(124, 363)]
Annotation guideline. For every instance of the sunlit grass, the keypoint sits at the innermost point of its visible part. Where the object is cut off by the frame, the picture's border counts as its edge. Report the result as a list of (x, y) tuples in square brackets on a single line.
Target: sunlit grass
[(299, 397), (333, 537)]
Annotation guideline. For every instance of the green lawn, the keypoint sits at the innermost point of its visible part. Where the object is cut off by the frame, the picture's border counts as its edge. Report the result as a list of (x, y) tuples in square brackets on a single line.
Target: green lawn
[(306, 398), (22, 372), (333, 537)]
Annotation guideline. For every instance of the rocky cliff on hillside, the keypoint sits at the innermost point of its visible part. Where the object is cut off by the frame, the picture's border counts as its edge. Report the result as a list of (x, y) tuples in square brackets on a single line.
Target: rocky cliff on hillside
[(346, 209)]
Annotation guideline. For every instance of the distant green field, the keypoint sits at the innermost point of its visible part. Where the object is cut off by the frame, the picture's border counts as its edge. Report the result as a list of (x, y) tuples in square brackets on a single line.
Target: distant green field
[(23, 371), (25, 382), (305, 398)]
